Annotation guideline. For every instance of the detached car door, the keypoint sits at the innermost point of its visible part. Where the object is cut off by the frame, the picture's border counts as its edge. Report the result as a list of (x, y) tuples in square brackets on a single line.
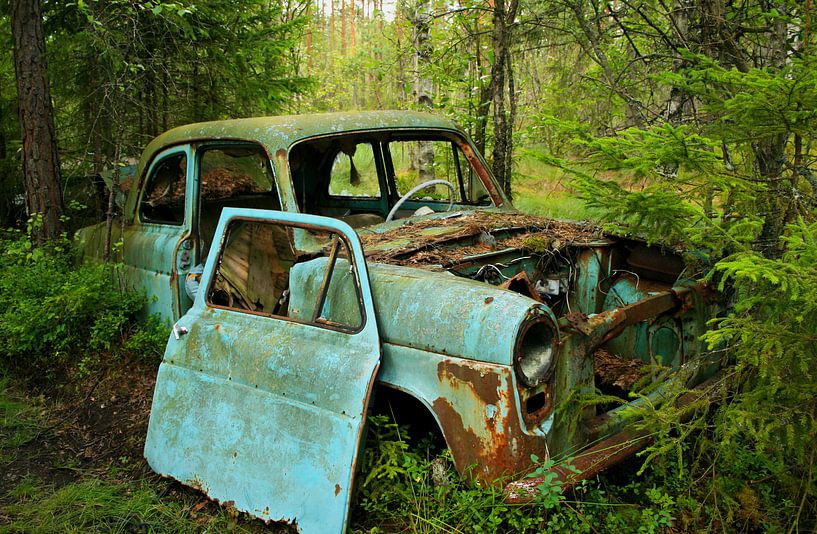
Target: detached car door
[(261, 397)]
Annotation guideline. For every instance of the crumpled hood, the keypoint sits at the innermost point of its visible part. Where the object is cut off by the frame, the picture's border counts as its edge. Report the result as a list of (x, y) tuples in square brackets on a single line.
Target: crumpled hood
[(443, 239)]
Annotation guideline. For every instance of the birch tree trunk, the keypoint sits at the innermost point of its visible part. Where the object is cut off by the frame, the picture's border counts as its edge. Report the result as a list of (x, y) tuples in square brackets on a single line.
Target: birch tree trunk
[(502, 84), (423, 85)]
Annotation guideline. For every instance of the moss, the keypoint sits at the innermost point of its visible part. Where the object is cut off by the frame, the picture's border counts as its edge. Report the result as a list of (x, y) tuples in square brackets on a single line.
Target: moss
[(537, 243)]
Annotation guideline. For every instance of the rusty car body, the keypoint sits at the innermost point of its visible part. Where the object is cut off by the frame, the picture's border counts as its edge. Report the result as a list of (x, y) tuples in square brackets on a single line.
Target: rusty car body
[(312, 308)]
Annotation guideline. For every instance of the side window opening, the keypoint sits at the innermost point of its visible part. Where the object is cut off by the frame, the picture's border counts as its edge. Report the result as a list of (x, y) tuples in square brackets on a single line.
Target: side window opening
[(232, 176), (259, 272), (163, 198)]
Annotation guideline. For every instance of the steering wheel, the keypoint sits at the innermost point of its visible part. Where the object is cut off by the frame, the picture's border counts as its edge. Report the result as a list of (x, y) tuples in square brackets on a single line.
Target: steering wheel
[(420, 187)]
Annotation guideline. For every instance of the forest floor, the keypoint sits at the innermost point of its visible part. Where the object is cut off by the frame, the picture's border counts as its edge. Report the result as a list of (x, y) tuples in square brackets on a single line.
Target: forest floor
[(71, 460)]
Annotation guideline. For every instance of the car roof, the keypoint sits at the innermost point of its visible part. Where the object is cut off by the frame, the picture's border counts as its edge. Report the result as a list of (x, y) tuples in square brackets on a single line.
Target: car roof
[(280, 132)]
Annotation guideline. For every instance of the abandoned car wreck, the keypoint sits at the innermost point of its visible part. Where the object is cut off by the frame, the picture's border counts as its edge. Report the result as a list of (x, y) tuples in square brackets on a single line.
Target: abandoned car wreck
[(349, 259)]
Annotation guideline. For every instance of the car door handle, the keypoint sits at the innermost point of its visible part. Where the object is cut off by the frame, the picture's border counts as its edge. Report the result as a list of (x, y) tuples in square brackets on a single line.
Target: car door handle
[(179, 331)]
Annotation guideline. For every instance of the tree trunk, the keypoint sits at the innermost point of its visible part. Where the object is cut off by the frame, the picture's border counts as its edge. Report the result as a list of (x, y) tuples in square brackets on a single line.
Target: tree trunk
[(770, 153), (352, 28), (331, 39), (309, 49), (41, 164), (110, 213), (511, 122), (3, 143), (484, 96), (343, 27), (501, 78), (423, 85)]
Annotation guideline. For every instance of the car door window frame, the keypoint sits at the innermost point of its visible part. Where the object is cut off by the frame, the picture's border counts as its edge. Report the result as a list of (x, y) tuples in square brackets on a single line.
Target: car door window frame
[(199, 150), (292, 227), (160, 158)]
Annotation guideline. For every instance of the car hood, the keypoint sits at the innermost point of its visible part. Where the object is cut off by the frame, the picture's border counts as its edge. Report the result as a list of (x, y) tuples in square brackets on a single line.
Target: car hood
[(442, 240)]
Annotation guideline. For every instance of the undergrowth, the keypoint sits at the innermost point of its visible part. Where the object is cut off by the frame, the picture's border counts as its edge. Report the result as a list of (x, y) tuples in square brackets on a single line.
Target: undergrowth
[(416, 489), (94, 505), (55, 314), (19, 420)]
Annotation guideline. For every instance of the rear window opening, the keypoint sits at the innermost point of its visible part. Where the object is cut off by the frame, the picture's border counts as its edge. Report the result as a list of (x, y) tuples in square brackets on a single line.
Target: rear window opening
[(237, 176)]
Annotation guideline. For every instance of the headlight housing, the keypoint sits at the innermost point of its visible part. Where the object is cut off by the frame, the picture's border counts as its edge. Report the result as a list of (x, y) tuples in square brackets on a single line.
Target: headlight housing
[(537, 347)]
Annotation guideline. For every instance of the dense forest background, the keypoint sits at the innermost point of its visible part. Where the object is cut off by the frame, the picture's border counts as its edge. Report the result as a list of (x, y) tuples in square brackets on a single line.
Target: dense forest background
[(685, 121)]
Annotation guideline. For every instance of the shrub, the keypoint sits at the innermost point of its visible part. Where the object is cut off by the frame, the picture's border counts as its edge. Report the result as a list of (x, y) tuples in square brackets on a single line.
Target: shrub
[(53, 313)]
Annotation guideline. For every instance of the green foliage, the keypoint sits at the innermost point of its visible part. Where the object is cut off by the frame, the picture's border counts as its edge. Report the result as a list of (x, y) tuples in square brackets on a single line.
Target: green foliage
[(413, 488), (122, 72), (724, 165), (771, 332), (759, 103), (19, 419), (737, 188), (54, 313), (96, 506), (410, 487), (550, 489), (147, 340)]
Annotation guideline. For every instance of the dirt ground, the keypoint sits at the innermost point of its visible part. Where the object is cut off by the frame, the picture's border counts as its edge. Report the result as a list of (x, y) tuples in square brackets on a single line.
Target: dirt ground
[(91, 424), (94, 428)]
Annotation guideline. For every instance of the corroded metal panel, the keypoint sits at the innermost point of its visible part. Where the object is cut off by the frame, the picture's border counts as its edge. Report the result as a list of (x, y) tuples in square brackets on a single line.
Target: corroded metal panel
[(475, 405), (262, 412), (437, 312)]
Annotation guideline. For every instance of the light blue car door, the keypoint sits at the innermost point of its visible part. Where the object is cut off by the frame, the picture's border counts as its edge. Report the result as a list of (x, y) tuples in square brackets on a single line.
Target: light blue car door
[(260, 402), (158, 246)]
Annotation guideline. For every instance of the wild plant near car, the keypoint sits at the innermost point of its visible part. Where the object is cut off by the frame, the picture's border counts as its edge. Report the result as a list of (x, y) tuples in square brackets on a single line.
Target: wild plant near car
[(55, 313)]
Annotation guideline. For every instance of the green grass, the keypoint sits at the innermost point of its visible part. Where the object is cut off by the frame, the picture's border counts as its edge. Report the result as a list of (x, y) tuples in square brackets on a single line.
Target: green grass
[(19, 420), (96, 506), (541, 189), (92, 503)]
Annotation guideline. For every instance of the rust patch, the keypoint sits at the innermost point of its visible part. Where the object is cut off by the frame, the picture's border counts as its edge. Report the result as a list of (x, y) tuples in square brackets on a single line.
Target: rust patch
[(463, 374), (612, 450), (578, 322), (337, 490), (462, 440), (480, 421), (489, 300), (471, 156), (589, 463), (520, 283)]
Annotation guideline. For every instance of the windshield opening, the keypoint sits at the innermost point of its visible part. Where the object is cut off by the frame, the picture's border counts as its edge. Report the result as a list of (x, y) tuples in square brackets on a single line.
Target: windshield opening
[(361, 177)]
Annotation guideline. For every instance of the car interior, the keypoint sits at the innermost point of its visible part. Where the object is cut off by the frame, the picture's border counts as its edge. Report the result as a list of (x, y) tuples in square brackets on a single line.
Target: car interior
[(361, 178)]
